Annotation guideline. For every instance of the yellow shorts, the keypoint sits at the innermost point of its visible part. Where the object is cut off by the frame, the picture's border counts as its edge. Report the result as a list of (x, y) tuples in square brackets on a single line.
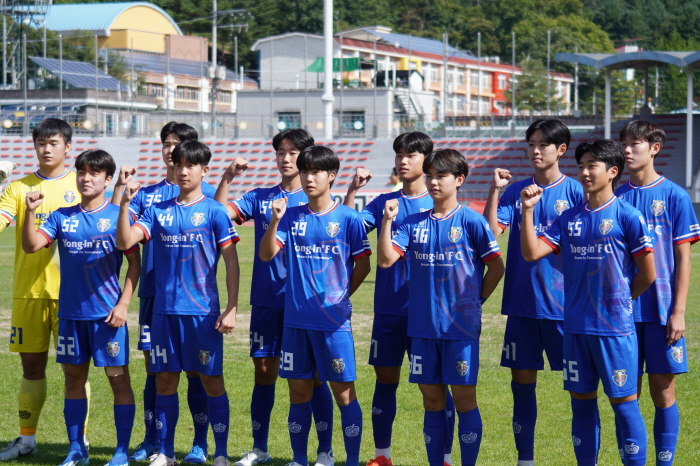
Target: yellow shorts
[(33, 322)]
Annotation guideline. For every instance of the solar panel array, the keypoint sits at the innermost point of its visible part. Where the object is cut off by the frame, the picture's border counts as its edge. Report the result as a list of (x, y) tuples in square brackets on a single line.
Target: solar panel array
[(79, 74)]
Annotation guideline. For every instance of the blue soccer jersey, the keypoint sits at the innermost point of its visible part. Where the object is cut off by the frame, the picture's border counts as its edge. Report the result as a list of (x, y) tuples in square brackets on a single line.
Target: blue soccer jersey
[(598, 247), (186, 246), (269, 278), (145, 198), (90, 260), (448, 257), (319, 252), (535, 289), (669, 214), (392, 285)]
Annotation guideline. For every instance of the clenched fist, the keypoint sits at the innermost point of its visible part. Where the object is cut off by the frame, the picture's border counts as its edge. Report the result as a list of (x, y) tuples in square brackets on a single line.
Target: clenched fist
[(361, 178), (530, 196), (500, 178), (126, 173), (34, 199), (279, 207), (237, 167), (391, 209), (130, 191)]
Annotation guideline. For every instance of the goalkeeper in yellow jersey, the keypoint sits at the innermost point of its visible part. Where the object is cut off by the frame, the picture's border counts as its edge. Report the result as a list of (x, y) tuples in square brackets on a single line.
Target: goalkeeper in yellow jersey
[(36, 276)]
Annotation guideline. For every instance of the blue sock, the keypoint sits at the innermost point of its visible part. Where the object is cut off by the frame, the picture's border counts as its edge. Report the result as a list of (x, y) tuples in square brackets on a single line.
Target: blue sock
[(634, 432), (124, 422), (451, 418), (620, 443), (299, 422), (219, 413), (524, 419), (470, 433), (351, 422), (167, 414), (383, 413), (435, 436), (667, 424), (322, 408), (260, 411), (75, 413), (197, 402), (149, 411), (585, 430)]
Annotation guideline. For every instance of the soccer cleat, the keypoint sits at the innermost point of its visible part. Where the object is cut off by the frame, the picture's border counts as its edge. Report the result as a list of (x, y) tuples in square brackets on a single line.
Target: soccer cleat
[(162, 460), (197, 455), (251, 458), (120, 462), (294, 463), (220, 461), (76, 458), (325, 459), (144, 451), (380, 461), (16, 449)]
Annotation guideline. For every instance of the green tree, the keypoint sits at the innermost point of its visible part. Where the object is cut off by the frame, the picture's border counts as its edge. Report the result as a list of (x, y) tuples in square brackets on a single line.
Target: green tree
[(531, 86)]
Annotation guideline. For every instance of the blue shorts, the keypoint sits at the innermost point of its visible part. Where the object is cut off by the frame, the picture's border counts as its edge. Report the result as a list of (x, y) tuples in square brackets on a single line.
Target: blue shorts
[(613, 360), (390, 340), (659, 357), (306, 351), (526, 338), (79, 340), (266, 327), (145, 318), (451, 362), (186, 343)]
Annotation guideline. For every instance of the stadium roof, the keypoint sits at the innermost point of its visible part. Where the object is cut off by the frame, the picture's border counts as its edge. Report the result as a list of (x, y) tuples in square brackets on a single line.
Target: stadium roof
[(79, 74), (641, 59), (96, 18)]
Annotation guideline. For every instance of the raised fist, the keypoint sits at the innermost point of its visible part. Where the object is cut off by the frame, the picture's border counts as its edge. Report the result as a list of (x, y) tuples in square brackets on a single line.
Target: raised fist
[(500, 178), (130, 191), (279, 207), (361, 178), (391, 208), (237, 167), (126, 173), (531, 195), (34, 199)]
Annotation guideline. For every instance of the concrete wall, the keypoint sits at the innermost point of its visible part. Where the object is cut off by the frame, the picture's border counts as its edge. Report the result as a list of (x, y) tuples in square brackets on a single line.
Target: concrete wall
[(287, 69)]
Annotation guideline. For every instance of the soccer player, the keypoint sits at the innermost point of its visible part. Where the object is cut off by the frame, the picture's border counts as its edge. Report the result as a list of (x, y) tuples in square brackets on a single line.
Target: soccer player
[(326, 256), (533, 292), (36, 277), (449, 246), (92, 316), (267, 298), (660, 311), (171, 135), (189, 233), (608, 262), (390, 339)]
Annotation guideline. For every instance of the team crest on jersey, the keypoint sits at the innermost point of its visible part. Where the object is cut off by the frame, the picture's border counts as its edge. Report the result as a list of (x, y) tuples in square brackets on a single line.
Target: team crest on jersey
[(561, 206), (338, 365), (204, 357), (69, 196), (197, 218), (658, 207), (103, 224), (455, 234), (677, 353), (619, 377), (462, 367), (333, 229), (606, 225), (113, 348)]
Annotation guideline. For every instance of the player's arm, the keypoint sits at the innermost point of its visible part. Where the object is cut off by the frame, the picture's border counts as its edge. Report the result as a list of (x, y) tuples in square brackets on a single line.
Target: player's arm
[(117, 316), (128, 235), (269, 246), (675, 327), (386, 254), (361, 178), (500, 180), (237, 167), (32, 240), (494, 273), (227, 320), (646, 273), (126, 173), (359, 273), (532, 247)]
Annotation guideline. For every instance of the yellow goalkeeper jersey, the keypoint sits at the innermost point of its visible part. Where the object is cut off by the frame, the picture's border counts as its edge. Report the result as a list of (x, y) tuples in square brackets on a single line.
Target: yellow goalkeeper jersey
[(37, 275)]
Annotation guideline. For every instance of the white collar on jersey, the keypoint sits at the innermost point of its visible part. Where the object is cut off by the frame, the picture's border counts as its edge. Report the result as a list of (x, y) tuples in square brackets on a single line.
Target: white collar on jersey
[(559, 181), (607, 204), (650, 185)]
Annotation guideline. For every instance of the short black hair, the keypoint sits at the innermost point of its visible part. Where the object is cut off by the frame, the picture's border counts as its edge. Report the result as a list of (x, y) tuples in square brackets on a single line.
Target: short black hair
[(552, 131), (606, 151), (447, 161), (96, 160), (51, 127), (194, 152), (318, 158), (414, 141), (643, 131), (297, 136), (184, 132)]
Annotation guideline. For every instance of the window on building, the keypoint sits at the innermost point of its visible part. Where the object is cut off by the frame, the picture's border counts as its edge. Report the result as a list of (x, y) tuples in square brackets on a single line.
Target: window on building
[(434, 75), (502, 81), (154, 89), (186, 93), (353, 124), (288, 120), (485, 81), (460, 78), (475, 79), (224, 97)]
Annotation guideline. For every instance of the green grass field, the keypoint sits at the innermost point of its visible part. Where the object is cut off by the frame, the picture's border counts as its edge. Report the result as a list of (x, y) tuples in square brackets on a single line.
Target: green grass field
[(553, 441)]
